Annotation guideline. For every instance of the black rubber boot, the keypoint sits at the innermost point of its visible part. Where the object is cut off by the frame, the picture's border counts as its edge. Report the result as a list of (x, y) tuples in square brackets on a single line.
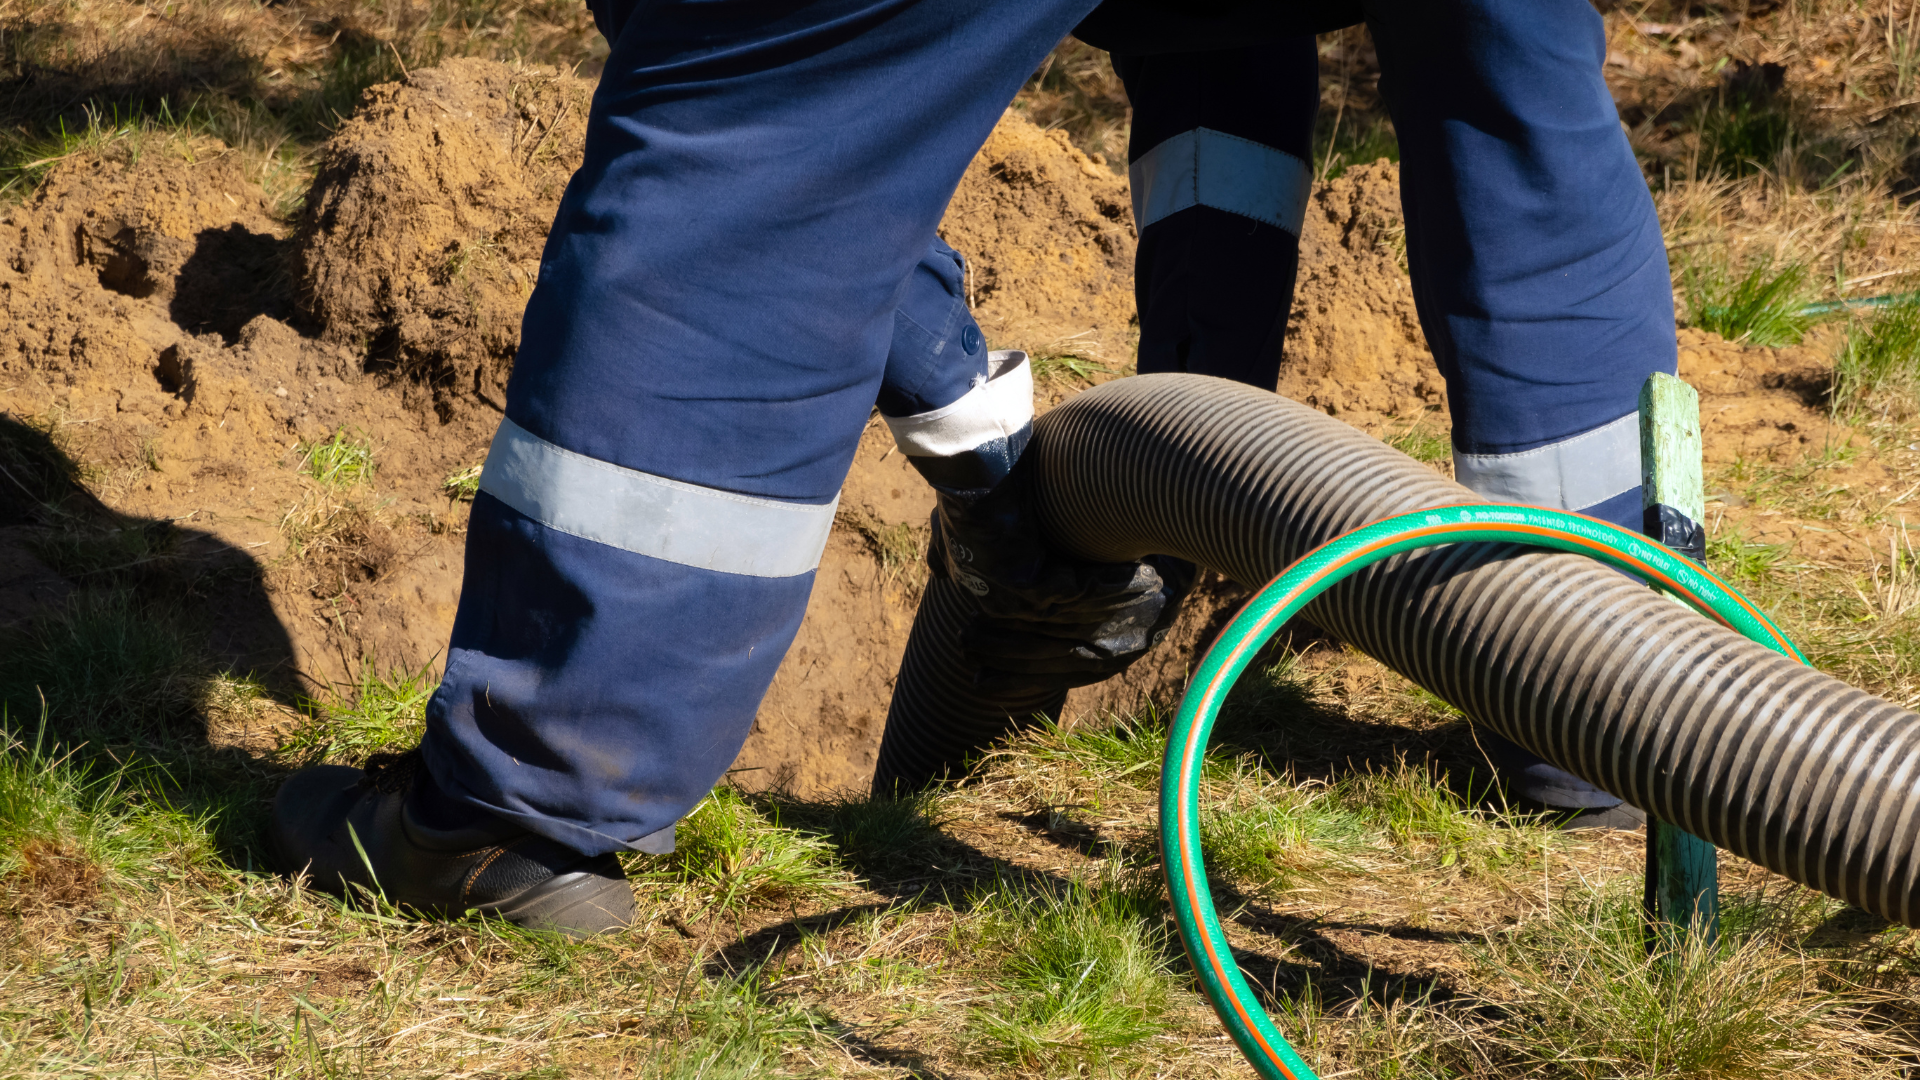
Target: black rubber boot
[(492, 868)]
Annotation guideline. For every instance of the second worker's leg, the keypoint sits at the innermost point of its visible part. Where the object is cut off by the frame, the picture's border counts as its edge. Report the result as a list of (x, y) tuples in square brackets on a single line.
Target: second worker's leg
[(1218, 163), (1538, 265)]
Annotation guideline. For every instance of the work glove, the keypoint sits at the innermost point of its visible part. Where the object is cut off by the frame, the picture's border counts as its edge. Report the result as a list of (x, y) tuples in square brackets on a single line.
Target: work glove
[(1044, 618), (1044, 615)]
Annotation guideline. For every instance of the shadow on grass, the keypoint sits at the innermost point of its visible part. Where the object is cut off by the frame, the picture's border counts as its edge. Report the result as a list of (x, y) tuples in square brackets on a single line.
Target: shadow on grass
[(925, 866), (141, 643)]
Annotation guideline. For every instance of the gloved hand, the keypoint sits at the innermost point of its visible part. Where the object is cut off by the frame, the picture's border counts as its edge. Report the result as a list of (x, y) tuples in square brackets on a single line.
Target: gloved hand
[(1043, 615)]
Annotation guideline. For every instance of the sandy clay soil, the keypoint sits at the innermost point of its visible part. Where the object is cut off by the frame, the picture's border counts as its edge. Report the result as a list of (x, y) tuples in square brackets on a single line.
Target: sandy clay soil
[(185, 345)]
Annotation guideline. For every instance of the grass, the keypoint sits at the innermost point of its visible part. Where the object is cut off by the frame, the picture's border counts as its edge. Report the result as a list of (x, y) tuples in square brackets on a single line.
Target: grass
[(1266, 834), (1426, 447), (341, 460), (463, 485), (69, 826), (1339, 146), (1596, 1004), (1760, 307), (1742, 561), (736, 857), (1116, 749), (1050, 365), (1881, 356), (1742, 134), (1085, 972), (900, 546), (1431, 824), (107, 662), (381, 713), (889, 837)]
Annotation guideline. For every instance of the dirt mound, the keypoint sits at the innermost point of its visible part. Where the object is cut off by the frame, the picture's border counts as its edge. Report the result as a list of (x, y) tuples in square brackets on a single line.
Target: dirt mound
[(1048, 235), (1354, 347), (422, 232), (117, 259), (141, 305)]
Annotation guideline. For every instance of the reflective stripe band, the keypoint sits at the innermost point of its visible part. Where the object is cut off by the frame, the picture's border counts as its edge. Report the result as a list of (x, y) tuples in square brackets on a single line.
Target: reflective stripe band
[(1571, 474), (651, 515), (1204, 167), (993, 409)]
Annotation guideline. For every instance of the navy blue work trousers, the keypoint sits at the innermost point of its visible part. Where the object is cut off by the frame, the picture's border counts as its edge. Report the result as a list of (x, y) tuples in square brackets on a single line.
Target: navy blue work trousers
[(1538, 268), (746, 263)]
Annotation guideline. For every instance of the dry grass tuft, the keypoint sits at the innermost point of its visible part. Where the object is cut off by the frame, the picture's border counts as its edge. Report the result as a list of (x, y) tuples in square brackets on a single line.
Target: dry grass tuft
[(50, 874), (901, 547), (337, 540)]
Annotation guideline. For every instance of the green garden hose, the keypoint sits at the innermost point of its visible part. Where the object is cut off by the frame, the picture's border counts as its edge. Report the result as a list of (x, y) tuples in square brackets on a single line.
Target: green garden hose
[(1200, 930)]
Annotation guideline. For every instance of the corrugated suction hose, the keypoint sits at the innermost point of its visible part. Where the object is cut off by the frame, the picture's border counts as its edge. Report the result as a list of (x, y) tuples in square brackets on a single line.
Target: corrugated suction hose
[(1774, 761)]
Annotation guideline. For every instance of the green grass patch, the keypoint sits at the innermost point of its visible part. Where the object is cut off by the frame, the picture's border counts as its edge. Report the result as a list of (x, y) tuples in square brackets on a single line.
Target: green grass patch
[(901, 546), (737, 856), (1422, 445), (731, 1029), (881, 837), (341, 460), (1881, 354), (1127, 749), (107, 665), (1761, 307), (27, 159), (1065, 366), (1744, 135), (1342, 141), (1431, 825), (379, 713), (1590, 1002), (68, 825), (1743, 561), (1268, 834), (1085, 970), (463, 485)]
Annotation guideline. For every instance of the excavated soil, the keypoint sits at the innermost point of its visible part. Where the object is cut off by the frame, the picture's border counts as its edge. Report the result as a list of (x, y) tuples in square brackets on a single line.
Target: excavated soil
[(185, 346)]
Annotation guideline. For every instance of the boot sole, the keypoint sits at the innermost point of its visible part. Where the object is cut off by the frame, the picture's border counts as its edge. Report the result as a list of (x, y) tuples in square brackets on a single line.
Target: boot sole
[(579, 904)]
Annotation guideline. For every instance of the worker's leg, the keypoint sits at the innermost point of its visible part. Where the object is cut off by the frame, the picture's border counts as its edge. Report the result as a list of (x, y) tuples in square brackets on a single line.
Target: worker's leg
[(1538, 264), (1537, 260), (1219, 167), (715, 309)]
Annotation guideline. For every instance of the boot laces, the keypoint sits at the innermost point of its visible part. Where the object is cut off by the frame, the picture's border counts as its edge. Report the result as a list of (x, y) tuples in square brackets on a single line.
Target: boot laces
[(393, 772)]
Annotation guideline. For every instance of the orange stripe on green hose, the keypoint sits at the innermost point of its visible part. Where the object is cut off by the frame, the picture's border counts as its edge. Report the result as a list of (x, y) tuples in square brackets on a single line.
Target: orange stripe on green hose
[(1232, 998)]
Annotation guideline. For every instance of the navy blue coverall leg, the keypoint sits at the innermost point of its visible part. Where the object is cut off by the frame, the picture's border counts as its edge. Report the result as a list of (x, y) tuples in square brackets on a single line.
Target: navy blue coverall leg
[(746, 255), (1538, 267)]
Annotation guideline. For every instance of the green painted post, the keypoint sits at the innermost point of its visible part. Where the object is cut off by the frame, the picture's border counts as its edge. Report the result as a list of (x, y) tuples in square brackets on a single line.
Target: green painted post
[(1683, 879)]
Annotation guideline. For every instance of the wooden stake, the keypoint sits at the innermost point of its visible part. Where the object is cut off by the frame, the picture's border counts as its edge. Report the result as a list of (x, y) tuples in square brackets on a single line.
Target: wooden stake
[(1683, 878)]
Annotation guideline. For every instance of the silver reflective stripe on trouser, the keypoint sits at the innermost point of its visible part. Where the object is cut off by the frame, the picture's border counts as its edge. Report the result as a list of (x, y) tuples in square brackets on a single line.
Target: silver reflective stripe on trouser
[(651, 515), (1572, 474), (1204, 167)]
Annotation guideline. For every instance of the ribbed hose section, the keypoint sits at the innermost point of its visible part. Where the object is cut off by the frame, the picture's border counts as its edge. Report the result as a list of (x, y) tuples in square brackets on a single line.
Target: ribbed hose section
[(938, 719), (1774, 761)]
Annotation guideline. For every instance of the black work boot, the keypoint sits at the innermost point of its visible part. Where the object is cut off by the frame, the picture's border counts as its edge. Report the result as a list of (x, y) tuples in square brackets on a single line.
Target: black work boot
[(491, 867)]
